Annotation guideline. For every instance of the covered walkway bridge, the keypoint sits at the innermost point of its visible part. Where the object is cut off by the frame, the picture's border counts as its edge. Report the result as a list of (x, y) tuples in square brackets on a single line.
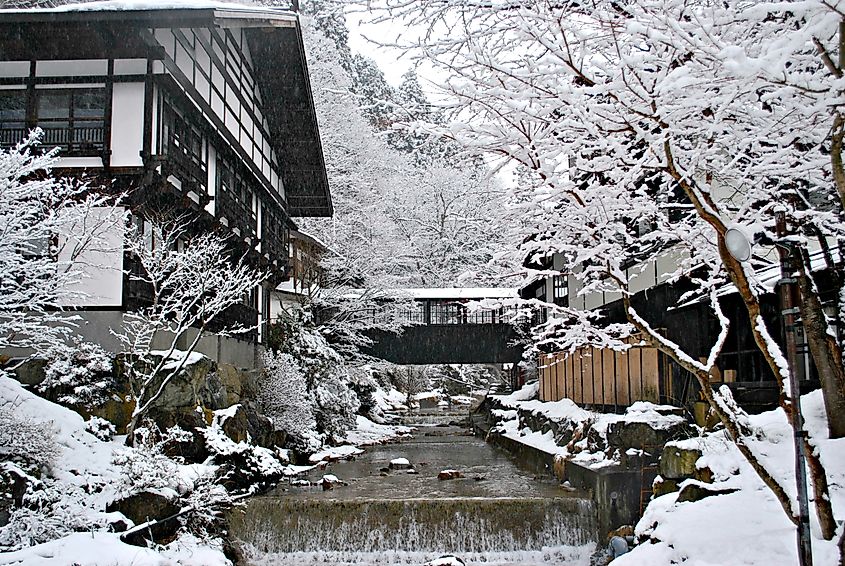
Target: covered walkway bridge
[(444, 330)]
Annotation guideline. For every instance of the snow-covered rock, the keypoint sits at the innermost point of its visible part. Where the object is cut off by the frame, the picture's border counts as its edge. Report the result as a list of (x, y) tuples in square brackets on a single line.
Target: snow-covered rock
[(346, 452), (400, 464)]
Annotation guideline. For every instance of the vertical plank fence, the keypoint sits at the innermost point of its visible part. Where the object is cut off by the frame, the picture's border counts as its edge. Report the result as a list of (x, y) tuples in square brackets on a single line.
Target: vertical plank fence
[(604, 378)]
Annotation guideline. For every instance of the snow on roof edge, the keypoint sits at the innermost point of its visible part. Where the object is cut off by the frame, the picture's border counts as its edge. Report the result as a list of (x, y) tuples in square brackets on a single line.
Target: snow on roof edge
[(462, 293), (148, 5)]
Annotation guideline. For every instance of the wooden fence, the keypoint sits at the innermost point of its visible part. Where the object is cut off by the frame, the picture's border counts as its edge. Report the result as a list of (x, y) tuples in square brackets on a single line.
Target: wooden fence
[(602, 377)]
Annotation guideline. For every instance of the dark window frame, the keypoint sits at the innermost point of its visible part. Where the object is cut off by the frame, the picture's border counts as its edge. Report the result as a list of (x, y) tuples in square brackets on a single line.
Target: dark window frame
[(69, 137)]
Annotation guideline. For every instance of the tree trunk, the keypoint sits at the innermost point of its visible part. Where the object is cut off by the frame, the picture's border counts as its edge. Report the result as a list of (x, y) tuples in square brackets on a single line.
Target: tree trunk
[(825, 350), (737, 274), (733, 428), (821, 491)]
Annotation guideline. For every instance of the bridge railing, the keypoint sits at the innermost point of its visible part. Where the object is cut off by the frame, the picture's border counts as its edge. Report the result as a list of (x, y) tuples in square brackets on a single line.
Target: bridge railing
[(429, 312)]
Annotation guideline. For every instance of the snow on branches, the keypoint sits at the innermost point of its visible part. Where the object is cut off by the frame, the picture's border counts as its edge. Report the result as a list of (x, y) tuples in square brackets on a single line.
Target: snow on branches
[(192, 279), (47, 225)]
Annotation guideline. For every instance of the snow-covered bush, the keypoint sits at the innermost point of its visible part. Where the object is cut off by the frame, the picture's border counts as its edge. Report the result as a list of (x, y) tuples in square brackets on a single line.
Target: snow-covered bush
[(80, 374), (285, 400), (325, 376), (25, 440), (337, 404), (51, 511), (363, 382), (101, 428), (146, 466), (209, 500), (242, 465)]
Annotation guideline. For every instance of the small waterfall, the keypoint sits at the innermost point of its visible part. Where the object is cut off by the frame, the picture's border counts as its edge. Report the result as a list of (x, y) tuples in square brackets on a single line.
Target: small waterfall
[(410, 531)]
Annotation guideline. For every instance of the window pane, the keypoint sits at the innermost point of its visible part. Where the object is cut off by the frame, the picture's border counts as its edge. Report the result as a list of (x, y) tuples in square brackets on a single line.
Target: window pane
[(12, 108), (53, 105), (89, 104)]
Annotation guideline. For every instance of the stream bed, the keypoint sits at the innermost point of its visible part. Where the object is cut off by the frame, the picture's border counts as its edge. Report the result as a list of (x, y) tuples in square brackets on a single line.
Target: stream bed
[(496, 514)]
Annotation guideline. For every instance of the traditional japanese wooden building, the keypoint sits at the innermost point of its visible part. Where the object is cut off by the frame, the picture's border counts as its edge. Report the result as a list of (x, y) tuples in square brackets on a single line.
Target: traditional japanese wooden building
[(612, 381), (204, 109)]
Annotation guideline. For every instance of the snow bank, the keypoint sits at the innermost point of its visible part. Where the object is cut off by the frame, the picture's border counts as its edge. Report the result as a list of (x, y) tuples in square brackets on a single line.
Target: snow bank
[(367, 433), (106, 549), (391, 400), (749, 525), (522, 406), (335, 453), (84, 460)]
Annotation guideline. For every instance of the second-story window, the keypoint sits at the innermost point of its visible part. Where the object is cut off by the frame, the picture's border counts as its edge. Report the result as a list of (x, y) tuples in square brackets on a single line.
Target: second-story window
[(561, 290), (185, 146), (12, 117), (73, 118)]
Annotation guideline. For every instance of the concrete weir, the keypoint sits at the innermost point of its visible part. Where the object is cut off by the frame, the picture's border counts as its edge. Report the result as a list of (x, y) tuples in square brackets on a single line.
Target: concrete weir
[(455, 525), (495, 513)]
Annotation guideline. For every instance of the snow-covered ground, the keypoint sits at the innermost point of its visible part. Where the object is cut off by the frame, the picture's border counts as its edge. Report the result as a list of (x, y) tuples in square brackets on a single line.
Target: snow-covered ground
[(85, 473)]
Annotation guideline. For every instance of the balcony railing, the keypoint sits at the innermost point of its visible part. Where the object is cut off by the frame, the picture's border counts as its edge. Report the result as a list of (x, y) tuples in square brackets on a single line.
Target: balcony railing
[(186, 168), (89, 140)]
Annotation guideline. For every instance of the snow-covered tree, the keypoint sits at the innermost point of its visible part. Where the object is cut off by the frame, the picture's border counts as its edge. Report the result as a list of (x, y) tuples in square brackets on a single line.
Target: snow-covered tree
[(647, 129), (285, 400), (47, 225), (192, 280), (400, 220)]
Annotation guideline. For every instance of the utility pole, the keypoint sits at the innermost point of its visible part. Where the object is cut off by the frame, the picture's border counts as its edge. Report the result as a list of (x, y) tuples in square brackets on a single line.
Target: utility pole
[(787, 290)]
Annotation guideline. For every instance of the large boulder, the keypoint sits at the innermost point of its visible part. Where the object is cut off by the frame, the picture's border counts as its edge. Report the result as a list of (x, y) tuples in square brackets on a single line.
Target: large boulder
[(117, 409), (185, 390), (261, 429), (144, 506), (191, 420), (678, 463), (697, 492), (663, 486), (14, 483), (233, 421), (224, 387), (645, 435)]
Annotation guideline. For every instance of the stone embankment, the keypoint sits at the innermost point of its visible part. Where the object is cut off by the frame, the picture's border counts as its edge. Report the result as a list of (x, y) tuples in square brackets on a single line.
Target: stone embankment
[(620, 460)]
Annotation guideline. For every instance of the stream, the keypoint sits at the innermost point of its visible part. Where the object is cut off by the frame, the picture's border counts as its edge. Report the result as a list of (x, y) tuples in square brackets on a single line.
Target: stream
[(496, 514)]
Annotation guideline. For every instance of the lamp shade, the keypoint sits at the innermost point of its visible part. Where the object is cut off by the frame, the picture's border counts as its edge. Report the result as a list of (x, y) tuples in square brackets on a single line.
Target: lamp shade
[(738, 244)]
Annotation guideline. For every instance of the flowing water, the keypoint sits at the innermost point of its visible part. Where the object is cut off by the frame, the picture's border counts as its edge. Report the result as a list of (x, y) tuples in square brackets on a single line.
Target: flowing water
[(497, 514)]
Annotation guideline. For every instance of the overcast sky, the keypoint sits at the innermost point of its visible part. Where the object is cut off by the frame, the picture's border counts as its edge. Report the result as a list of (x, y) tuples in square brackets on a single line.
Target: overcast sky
[(391, 61)]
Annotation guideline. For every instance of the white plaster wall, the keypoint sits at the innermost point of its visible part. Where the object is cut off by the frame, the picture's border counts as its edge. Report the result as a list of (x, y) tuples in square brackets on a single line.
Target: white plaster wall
[(127, 130), (100, 262), (668, 262), (130, 66), (641, 278), (79, 162), (211, 185), (14, 69), (576, 301), (72, 68), (593, 300)]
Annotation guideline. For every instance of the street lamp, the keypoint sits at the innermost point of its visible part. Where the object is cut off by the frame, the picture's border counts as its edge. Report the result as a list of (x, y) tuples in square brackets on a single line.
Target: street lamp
[(739, 246)]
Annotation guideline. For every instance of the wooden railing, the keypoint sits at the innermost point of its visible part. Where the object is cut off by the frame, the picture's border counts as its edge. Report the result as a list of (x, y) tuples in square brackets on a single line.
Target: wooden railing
[(71, 140)]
